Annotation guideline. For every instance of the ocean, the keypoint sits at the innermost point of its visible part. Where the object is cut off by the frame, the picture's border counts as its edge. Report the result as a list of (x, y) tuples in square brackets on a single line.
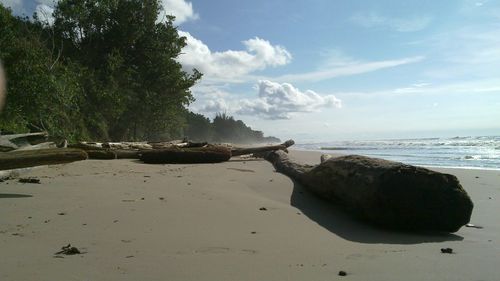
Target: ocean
[(458, 152)]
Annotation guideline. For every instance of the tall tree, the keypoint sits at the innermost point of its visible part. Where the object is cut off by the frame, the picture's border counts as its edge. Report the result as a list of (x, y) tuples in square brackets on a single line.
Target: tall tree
[(135, 86), (43, 94)]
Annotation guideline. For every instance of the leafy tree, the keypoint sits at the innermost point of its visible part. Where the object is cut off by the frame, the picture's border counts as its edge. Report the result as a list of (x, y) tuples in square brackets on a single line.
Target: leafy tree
[(198, 128), (43, 94), (105, 69), (137, 89), (226, 128)]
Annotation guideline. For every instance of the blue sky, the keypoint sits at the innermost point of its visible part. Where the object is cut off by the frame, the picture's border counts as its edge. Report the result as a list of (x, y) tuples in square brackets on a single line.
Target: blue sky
[(323, 70)]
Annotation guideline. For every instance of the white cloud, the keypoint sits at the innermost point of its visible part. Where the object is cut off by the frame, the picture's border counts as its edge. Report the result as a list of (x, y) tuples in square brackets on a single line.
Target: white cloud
[(281, 101), (465, 52), (258, 55), (275, 101), (410, 24), (346, 68), (472, 45), (44, 13), (472, 87), (181, 9)]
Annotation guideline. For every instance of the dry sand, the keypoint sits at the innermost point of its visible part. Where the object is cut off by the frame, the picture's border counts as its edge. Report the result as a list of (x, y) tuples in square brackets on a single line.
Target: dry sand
[(202, 222)]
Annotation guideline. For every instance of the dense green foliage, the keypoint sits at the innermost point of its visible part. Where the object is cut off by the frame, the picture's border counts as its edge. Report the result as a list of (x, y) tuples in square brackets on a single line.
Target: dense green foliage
[(103, 70), (224, 128), (135, 84), (43, 94)]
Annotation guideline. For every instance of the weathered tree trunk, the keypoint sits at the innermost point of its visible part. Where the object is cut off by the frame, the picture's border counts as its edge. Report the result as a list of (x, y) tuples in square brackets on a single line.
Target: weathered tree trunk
[(16, 141), (210, 154), (126, 145), (250, 150), (101, 154), (87, 145), (384, 192), (30, 158), (127, 154)]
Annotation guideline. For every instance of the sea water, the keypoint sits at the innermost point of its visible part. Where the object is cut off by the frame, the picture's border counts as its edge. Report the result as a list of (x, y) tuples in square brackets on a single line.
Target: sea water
[(465, 152)]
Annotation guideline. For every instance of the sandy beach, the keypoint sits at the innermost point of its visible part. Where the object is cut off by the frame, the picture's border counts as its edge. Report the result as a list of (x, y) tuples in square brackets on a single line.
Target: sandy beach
[(238, 220)]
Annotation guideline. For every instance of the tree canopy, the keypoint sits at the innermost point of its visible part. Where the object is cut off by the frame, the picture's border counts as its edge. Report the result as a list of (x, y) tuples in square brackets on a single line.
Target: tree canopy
[(103, 70)]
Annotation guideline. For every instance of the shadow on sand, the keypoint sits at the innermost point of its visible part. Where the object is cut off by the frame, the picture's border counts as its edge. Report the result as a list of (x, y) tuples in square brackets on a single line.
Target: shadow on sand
[(12, 195), (339, 222)]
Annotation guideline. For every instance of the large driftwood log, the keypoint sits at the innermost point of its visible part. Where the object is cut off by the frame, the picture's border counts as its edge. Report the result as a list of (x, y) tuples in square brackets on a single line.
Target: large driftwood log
[(387, 193), (127, 145), (209, 154), (16, 141), (127, 154), (250, 150), (101, 154), (30, 158)]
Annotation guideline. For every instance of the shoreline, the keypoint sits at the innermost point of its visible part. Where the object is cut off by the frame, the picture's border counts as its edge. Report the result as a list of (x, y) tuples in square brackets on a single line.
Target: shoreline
[(204, 222), (339, 153)]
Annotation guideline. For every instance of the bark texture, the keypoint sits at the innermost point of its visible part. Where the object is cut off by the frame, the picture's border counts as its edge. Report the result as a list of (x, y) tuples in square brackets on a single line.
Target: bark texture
[(31, 158), (209, 154), (387, 193)]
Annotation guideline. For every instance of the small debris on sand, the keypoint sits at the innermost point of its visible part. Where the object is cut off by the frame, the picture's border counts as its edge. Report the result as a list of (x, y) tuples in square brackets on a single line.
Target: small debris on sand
[(342, 273), (68, 250), (29, 180), (263, 209), (161, 198), (62, 213), (447, 250)]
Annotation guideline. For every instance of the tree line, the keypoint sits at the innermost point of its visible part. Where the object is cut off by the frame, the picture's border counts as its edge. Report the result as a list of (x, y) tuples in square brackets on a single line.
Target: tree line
[(104, 70)]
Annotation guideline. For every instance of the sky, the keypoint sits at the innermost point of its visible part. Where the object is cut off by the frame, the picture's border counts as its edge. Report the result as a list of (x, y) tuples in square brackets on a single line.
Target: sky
[(325, 70)]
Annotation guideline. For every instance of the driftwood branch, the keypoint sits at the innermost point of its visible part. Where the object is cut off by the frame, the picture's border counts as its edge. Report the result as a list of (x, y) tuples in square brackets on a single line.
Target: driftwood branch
[(30, 158), (387, 193), (250, 150), (16, 141), (209, 154)]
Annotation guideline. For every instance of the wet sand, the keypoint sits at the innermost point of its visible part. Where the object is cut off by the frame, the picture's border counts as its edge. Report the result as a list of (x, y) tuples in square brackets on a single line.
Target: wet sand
[(238, 220)]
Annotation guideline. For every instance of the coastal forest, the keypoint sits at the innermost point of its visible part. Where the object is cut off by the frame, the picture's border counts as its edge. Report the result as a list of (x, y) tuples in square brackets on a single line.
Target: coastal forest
[(104, 70)]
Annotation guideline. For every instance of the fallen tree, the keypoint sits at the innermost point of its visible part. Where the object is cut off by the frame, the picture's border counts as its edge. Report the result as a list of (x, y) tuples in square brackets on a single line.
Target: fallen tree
[(177, 151), (205, 154), (175, 155), (386, 193), (30, 158), (16, 141), (236, 151)]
